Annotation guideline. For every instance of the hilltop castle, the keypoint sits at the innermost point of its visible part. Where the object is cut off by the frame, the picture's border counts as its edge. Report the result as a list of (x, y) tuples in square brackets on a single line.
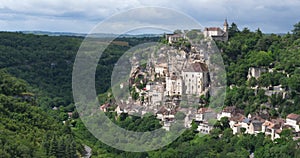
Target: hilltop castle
[(217, 33)]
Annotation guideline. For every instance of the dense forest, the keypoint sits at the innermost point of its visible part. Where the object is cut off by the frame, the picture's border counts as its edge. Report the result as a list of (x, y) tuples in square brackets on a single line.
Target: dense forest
[(36, 97), (26, 130)]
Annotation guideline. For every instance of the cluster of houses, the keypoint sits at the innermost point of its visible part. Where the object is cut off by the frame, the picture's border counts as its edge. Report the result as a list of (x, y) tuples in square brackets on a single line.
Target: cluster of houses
[(251, 124), (183, 73), (174, 74), (170, 76)]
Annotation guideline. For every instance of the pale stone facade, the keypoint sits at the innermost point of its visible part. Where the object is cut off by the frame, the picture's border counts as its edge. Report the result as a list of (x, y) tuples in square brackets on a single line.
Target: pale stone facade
[(217, 33), (173, 85), (294, 121), (195, 78)]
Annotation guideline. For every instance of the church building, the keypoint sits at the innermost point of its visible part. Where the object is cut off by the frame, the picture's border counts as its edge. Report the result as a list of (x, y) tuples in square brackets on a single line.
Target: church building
[(216, 33)]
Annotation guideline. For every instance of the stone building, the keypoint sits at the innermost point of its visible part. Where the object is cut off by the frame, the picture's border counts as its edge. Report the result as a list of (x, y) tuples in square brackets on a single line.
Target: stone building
[(173, 85), (293, 120), (195, 78), (217, 33)]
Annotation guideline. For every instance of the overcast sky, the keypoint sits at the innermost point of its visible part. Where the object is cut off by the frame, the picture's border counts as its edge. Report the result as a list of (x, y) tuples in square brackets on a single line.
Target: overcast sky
[(271, 16)]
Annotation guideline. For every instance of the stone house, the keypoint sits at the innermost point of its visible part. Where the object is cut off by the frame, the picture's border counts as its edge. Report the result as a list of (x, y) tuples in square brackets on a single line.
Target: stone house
[(273, 128), (155, 94), (161, 69), (172, 38), (294, 121), (201, 118)]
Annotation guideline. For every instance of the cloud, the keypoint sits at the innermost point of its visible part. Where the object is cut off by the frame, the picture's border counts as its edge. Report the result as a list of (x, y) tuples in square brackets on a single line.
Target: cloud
[(81, 16)]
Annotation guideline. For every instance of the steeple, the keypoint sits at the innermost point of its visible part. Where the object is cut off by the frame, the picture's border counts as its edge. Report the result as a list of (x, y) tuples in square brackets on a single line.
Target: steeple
[(225, 29)]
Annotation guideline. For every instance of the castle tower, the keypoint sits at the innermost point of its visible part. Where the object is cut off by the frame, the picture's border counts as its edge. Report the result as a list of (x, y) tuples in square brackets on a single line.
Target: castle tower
[(225, 29)]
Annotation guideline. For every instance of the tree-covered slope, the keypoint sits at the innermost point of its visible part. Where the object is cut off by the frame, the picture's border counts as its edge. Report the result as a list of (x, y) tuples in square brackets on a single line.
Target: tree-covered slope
[(26, 130)]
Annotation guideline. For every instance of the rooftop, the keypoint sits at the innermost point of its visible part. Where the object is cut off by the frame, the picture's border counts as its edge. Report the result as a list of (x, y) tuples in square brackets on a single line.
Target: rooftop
[(196, 67), (293, 116)]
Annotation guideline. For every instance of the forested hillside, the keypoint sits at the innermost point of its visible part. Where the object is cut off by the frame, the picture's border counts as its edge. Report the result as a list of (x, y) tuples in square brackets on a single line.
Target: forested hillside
[(278, 56), (46, 63), (26, 130)]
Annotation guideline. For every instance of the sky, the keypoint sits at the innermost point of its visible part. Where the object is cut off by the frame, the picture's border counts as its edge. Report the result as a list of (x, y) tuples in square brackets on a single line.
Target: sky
[(81, 16)]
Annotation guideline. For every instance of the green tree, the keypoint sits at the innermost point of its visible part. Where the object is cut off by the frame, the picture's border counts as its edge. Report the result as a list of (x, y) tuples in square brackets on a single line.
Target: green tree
[(232, 30), (296, 30)]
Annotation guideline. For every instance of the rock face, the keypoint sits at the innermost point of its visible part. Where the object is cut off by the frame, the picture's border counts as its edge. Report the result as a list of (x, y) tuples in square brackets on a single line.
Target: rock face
[(255, 72), (88, 151)]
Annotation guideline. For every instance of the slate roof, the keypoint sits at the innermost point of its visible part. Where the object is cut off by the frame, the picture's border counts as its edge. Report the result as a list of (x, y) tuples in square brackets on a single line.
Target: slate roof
[(196, 67), (213, 29), (257, 125)]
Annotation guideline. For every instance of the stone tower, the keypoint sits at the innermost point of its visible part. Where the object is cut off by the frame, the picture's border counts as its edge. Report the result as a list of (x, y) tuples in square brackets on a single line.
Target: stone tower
[(225, 29)]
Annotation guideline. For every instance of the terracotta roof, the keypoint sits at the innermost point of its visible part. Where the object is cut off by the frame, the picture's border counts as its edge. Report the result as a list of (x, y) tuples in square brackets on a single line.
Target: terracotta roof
[(293, 116), (274, 124), (278, 121), (165, 65), (104, 106), (268, 124), (229, 109), (204, 110), (238, 117), (162, 110), (278, 131)]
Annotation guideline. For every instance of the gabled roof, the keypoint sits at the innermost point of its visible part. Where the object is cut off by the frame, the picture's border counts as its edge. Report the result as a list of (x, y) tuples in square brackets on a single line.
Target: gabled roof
[(162, 110), (257, 125), (293, 116), (196, 67), (246, 120), (204, 110), (238, 117), (103, 106)]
